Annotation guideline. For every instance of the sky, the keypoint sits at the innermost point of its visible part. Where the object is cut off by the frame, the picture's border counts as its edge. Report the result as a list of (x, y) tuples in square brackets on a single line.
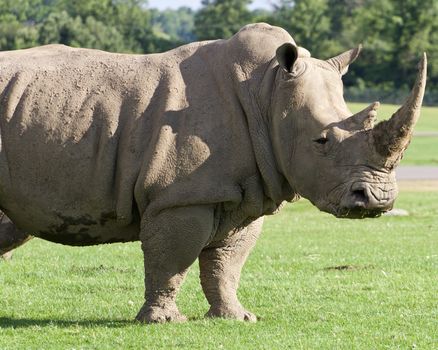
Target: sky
[(195, 4)]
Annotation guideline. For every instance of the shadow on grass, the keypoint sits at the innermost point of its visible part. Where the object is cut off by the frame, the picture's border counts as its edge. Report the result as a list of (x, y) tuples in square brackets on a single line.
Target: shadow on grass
[(16, 323), (10, 322)]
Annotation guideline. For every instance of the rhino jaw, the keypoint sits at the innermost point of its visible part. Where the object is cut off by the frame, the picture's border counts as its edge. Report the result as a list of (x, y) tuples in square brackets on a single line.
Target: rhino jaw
[(391, 137)]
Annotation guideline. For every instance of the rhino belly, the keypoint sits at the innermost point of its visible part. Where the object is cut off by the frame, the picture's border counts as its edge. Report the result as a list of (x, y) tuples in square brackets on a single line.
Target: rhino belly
[(84, 231), (77, 229)]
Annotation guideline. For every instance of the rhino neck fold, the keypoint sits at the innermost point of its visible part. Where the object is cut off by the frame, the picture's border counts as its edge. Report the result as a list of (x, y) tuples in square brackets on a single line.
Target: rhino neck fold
[(251, 93), (250, 59)]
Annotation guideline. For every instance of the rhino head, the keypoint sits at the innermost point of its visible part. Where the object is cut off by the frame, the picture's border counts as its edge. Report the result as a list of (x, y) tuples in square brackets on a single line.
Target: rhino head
[(341, 162)]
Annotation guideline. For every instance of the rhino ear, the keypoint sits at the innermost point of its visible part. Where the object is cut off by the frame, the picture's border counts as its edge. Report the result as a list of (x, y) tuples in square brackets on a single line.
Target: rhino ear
[(286, 55)]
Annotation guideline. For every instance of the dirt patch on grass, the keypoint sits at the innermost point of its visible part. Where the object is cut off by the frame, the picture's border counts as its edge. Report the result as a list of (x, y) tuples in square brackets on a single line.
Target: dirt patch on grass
[(349, 268)]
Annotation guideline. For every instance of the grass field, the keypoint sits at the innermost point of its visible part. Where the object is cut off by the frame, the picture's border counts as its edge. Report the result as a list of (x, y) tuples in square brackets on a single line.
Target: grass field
[(423, 150), (316, 282)]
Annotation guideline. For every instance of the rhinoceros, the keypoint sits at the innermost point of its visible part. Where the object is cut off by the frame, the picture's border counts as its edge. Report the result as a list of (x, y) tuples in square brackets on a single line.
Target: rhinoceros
[(186, 151)]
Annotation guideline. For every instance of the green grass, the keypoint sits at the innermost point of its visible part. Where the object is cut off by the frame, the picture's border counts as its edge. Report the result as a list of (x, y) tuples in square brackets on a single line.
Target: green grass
[(316, 282), (423, 150)]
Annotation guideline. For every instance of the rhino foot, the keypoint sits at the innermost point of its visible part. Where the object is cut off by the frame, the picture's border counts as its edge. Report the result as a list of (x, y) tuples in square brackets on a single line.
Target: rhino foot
[(233, 312), (157, 314)]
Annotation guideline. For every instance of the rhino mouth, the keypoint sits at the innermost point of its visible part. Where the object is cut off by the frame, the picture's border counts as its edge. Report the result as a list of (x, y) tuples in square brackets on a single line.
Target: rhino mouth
[(359, 213), (365, 200)]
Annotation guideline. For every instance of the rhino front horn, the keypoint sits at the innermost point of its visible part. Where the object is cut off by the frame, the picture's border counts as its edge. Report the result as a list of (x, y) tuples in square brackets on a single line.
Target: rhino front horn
[(392, 137)]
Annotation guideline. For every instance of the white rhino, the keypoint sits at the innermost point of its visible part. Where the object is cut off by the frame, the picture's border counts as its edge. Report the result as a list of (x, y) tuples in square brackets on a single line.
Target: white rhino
[(186, 151)]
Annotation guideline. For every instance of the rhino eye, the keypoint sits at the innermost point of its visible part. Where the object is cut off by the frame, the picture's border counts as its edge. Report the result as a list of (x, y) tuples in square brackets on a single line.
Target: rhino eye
[(321, 140)]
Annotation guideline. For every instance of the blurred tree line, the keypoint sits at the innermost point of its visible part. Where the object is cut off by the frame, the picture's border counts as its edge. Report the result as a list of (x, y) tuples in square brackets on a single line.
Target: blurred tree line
[(393, 32)]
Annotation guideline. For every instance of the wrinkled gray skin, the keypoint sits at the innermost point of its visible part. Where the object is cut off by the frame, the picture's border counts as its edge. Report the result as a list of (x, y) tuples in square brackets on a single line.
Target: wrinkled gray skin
[(186, 151)]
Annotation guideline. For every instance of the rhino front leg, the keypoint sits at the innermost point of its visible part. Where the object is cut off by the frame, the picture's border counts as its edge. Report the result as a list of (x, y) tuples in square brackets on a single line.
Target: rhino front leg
[(10, 236), (221, 265), (171, 242)]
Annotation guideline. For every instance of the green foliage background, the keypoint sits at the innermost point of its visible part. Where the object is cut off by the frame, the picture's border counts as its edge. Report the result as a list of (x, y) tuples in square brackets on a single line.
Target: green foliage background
[(393, 32)]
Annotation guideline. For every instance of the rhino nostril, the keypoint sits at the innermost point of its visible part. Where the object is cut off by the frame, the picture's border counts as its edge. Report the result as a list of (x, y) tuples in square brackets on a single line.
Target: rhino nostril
[(360, 197)]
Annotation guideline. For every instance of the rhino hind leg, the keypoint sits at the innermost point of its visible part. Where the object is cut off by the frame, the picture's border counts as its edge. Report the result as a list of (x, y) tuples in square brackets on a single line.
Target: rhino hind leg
[(220, 268), (10, 237), (171, 242)]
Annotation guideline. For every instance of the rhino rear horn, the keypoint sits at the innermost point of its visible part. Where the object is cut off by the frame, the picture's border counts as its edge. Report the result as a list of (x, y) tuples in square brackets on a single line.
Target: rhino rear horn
[(391, 137), (363, 120), (342, 61)]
